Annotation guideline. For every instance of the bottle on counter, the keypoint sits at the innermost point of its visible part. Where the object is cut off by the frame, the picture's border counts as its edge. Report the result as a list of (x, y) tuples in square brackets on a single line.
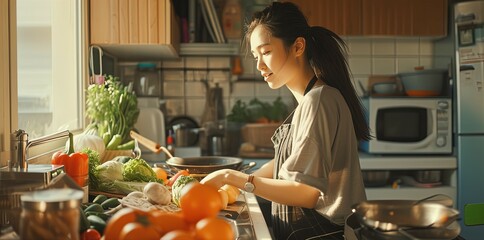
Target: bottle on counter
[(170, 144), (232, 19)]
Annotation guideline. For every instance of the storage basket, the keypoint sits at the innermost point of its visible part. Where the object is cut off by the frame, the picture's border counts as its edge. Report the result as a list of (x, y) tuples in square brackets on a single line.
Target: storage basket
[(259, 134)]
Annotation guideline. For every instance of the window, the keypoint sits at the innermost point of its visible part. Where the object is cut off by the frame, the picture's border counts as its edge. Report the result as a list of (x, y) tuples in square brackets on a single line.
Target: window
[(44, 84), (48, 57)]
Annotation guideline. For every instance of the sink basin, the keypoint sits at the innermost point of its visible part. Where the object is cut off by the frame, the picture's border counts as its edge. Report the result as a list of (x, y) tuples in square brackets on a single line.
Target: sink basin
[(14, 182)]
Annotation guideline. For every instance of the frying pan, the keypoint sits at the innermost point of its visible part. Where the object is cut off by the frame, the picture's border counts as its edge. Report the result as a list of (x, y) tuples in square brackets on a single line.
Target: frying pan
[(393, 215), (205, 164)]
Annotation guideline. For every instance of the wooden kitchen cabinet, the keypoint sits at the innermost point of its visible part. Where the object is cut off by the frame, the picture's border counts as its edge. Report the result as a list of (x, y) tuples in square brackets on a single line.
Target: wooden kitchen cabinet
[(378, 17), (404, 18), (340, 16), (142, 29)]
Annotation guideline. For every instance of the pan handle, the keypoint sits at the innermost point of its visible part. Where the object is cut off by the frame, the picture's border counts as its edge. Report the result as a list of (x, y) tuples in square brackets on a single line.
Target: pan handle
[(151, 145), (247, 167)]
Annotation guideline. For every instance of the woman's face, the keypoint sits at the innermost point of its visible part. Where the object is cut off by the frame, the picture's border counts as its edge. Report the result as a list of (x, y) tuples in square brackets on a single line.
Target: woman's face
[(274, 62)]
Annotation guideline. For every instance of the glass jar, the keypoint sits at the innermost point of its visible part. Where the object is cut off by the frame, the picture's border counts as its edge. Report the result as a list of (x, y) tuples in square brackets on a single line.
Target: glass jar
[(51, 214), (147, 82)]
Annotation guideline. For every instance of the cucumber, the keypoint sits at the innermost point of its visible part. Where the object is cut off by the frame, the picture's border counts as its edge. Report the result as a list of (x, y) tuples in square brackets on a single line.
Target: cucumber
[(122, 159), (110, 203), (127, 146), (99, 199), (97, 223), (95, 207), (83, 222), (103, 216)]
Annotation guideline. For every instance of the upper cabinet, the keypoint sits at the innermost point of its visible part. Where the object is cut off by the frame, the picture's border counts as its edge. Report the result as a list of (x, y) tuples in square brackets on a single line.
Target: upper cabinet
[(143, 29), (427, 18), (340, 16)]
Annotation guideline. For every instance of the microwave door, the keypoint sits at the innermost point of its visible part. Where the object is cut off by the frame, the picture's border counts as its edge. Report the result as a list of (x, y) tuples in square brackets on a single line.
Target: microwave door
[(470, 99)]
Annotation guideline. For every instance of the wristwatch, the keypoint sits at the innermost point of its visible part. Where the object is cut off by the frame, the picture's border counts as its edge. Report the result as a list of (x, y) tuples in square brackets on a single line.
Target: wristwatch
[(249, 185)]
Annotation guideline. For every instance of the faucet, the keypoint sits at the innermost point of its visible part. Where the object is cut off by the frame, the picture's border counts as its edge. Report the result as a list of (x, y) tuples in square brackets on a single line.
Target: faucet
[(20, 145)]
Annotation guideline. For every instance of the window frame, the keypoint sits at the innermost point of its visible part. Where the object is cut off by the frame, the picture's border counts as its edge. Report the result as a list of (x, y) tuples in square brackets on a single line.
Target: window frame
[(8, 81)]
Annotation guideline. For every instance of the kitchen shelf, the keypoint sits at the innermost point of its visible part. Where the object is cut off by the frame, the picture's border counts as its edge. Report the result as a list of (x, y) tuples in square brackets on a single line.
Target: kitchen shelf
[(406, 162), (209, 49)]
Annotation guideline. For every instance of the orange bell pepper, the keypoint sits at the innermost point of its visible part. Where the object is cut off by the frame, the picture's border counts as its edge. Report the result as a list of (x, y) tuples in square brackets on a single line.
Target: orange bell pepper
[(76, 164)]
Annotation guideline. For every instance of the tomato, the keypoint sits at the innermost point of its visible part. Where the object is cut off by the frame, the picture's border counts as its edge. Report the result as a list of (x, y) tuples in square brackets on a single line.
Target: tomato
[(178, 235), (179, 173), (136, 231), (90, 234), (167, 222), (214, 228), (199, 201), (117, 222)]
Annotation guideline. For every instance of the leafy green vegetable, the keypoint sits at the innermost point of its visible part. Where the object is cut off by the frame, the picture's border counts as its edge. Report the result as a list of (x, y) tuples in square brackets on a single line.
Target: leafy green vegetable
[(127, 187), (112, 108), (256, 109), (94, 161), (138, 170), (178, 185)]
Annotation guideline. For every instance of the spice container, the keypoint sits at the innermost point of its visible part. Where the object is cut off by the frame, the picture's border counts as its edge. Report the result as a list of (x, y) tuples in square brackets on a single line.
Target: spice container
[(51, 214)]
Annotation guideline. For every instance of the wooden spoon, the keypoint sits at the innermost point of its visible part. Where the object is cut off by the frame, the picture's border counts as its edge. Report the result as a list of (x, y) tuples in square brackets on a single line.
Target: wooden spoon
[(151, 145)]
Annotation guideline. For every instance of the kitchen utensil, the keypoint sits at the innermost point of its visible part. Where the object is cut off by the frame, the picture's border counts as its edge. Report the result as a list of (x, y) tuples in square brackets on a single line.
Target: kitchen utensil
[(153, 146), (96, 78), (423, 82), (387, 88), (391, 215), (207, 164), (185, 136)]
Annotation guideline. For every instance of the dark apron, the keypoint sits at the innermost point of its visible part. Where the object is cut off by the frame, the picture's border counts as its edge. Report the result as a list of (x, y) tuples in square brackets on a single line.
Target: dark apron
[(290, 222)]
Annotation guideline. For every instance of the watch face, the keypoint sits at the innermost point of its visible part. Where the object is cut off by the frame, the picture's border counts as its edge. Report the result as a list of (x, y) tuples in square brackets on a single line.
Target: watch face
[(249, 187)]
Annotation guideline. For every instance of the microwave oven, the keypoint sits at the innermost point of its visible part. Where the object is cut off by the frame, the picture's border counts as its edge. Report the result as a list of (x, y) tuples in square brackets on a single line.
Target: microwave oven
[(404, 125)]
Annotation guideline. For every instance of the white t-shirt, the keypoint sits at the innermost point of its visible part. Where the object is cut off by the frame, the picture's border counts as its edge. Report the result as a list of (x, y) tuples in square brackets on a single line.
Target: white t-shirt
[(325, 152)]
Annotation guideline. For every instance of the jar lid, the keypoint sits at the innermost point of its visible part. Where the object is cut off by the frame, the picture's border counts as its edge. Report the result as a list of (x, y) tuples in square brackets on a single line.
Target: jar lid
[(52, 199), (145, 65)]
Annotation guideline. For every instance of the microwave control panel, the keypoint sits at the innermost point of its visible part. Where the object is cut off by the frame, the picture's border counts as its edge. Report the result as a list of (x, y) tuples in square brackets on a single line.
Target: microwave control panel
[(443, 123)]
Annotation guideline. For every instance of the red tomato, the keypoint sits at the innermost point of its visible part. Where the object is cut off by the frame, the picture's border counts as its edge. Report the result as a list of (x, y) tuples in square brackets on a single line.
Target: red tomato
[(90, 234), (199, 201)]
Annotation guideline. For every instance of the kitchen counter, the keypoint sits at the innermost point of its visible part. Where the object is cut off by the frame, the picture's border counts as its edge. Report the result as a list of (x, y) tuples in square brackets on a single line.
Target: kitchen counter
[(248, 217)]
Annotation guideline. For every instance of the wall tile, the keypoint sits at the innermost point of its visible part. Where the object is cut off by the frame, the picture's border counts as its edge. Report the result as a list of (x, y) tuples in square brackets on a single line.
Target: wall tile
[(219, 62), (356, 84), (359, 47), (442, 62), (263, 90), (426, 62), (407, 47), (175, 107), (173, 89), (195, 107), (426, 47), (176, 63), (360, 65), (195, 89), (196, 62), (383, 47), (383, 65), (243, 89), (407, 64)]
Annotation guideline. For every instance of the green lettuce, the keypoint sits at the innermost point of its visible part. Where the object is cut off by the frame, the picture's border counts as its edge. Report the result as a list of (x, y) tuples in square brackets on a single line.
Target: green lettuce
[(138, 170)]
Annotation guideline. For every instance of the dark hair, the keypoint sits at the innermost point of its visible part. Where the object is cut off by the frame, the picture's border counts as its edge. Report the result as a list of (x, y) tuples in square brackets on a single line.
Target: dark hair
[(325, 51)]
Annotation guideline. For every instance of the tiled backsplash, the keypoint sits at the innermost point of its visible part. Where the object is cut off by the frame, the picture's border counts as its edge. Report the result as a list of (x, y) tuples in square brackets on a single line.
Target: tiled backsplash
[(184, 90)]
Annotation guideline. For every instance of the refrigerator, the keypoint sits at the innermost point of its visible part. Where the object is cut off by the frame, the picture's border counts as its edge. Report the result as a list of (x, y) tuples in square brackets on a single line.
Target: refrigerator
[(468, 100)]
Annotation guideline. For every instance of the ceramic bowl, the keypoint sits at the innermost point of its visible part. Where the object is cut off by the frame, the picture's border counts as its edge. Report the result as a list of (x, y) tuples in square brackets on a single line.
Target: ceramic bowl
[(385, 88)]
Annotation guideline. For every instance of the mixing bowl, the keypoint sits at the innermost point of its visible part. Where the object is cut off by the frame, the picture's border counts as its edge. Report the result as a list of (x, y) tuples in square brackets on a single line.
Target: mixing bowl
[(423, 82)]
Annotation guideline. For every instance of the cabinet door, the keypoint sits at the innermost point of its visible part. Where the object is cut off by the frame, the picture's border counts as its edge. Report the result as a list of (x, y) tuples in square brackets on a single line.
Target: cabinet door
[(430, 18), (132, 22), (405, 17), (340, 16)]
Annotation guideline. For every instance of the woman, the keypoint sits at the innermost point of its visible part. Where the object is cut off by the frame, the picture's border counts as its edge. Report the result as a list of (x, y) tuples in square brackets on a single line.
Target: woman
[(315, 176)]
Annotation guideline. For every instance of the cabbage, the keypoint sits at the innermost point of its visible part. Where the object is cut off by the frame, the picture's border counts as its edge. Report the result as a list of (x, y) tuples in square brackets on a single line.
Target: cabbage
[(178, 185), (138, 170), (110, 171)]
